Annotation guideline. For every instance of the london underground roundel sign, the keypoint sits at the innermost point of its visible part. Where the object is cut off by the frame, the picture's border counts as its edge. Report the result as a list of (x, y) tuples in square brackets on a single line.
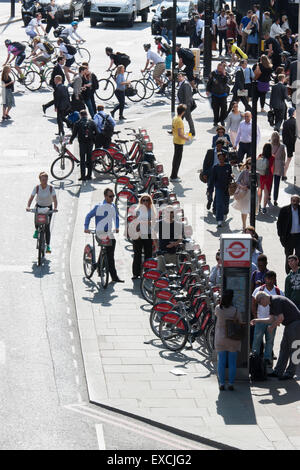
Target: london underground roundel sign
[(237, 253)]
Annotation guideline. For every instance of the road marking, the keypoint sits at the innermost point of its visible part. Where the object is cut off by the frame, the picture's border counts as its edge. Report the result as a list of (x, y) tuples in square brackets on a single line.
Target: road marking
[(75, 363), (73, 350), (77, 379), (66, 298), (2, 353), (71, 335), (68, 310), (70, 322), (100, 436)]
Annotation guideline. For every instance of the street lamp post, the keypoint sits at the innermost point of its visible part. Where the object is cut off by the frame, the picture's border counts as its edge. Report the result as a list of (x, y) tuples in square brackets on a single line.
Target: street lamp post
[(253, 154), (174, 32), (12, 8), (207, 39)]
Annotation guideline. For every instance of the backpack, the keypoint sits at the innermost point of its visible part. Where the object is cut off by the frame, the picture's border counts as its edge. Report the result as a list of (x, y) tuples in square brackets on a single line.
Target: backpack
[(71, 49), (277, 290), (166, 48), (108, 127), (49, 47), (257, 368), (19, 46), (187, 55), (84, 131), (38, 187), (123, 59)]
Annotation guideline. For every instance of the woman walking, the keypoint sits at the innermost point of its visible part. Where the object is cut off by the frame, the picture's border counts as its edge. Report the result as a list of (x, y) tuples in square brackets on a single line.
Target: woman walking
[(8, 100), (226, 348), (233, 121), (278, 150), (242, 195), (262, 73), (142, 233), (120, 92), (252, 43), (267, 179)]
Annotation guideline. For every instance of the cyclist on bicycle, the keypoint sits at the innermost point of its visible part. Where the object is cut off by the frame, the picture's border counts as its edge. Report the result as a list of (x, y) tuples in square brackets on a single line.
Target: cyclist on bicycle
[(164, 48), (106, 214), (17, 51), (42, 57), (236, 52), (71, 32), (187, 58), (45, 197), (70, 59), (119, 58), (32, 29), (158, 64)]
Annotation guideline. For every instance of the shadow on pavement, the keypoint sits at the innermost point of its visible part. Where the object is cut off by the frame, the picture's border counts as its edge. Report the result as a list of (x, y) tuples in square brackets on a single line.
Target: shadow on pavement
[(40, 271), (236, 408), (102, 296), (275, 390)]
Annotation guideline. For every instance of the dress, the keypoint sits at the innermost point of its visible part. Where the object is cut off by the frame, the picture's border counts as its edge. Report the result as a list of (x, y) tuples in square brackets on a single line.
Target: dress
[(222, 343), (266, 180), (243, 205), (8, 99)]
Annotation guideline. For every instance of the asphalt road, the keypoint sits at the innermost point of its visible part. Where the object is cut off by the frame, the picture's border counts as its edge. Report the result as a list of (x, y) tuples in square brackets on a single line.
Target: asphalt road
[(43, 394)]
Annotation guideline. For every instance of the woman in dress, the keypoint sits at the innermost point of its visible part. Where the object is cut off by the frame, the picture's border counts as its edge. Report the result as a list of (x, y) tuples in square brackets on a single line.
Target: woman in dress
[(242, 196), (233, 121), (278, 150), (226, 348), (8, 100), (263, 73), (267, 179)]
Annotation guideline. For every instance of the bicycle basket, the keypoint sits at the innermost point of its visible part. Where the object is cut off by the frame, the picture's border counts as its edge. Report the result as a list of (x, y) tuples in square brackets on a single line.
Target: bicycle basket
[(104, 241), (41, 219)]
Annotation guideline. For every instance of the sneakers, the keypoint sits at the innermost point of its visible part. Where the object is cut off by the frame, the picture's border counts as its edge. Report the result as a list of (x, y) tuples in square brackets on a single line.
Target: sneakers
[(48, 250), (175, 180), (35, 235)]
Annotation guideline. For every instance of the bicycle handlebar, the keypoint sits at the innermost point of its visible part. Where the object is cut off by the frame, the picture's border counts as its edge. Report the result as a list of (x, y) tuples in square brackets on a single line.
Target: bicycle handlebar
[(50, 211)]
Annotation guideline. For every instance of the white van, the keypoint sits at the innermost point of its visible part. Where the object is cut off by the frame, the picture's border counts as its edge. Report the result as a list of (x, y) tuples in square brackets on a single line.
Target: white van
[(119, 11)]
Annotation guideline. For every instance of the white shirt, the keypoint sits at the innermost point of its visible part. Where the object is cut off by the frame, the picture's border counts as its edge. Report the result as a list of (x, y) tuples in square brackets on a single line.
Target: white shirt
[(70, 31), (64, 50), (263, 312), (33, 24), (276, 30), (199, 27), (295, 221), (155, 58), (44, 197), (222, 23), (245, 133)]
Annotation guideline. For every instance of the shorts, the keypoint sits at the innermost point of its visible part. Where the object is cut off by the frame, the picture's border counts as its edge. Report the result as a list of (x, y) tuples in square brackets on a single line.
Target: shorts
[(20, 58), (168, 62), (31, 34), (70, 62), (189, 71), (42, 58), (290, 151), (159, 70)]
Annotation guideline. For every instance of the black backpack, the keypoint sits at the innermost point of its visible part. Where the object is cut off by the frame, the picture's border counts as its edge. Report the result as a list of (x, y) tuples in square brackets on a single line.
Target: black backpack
[(108, 127), (187, 56), (85, 132), (166, 48), (71, 49), (122, 59), (258, 368), (19, 46)]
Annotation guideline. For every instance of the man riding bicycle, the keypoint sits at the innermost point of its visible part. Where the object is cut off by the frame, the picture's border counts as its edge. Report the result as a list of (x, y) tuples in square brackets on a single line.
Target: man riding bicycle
[(42, 57), (164, 48), (105, 215), (72, 33), (187, 58), (17, 51), (158, 64), (45, 197), (32, 30), (117, 59)]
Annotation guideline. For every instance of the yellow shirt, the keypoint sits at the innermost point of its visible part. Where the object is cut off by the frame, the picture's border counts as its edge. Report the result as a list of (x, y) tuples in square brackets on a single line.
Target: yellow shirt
[(236, 50), (177, 124)]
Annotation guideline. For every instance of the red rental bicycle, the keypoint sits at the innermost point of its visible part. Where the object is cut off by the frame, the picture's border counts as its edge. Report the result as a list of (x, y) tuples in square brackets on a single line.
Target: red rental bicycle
[(63, 166)]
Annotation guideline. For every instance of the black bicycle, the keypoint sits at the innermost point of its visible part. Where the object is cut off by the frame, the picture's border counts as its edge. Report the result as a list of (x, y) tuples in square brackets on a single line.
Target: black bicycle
[(41, 222), (90, 265)]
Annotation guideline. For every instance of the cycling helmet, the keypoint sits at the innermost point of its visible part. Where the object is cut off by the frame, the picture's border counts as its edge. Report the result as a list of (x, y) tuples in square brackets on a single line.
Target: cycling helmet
[(147, 46), (285, 54), (109, 50), (7, 42), (74, 23)]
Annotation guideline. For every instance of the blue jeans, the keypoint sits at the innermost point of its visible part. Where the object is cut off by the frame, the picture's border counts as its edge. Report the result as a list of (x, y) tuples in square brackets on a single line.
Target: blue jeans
[(259, 332), (222, 203), (222, 361), (89, 105)]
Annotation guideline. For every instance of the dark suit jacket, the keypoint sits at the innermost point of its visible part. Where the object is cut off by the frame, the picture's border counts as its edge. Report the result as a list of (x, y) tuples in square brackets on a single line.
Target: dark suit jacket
[(284, 223), (61, 98), (278, 96), (185, 94), (293, 72), (289, 132), (239, 83), (57, 71), (208, 161)]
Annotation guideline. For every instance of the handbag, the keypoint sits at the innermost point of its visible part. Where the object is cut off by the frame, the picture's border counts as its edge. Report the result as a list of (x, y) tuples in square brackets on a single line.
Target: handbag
[(263, 87), (232, 187), (203, 177), (234, 329), (262, 166), (239, 193), (130, 91)]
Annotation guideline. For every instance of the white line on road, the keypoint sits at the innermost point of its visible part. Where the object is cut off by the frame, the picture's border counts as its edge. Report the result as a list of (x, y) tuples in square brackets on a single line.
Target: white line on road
[(73, 350), (70, 322), (77, 379), (66, 298), (2, 353), (75, 363), (100, 436), (71, 335)]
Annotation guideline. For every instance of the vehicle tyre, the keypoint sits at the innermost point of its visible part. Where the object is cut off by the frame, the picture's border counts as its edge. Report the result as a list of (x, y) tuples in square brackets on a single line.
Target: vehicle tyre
[(131, 21), (41, 247), (149, 88), (26, 20), (155, 319), (48, 75), (144, 17), (62, 167), (32, 81), (174, 335), (106, 89), (93, 23), (140, 89), (210, 337), (81, 16), (71, 17), (88, 266), (103, 270)]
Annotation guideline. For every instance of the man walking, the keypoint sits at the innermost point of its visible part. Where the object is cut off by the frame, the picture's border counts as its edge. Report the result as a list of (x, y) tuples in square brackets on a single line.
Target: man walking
[(77, 102), (217, 87), (289, 138), (62, 103), (179, 139), (211, 160), (244, 137), (288, 229), (292, 282), (52, 22), (221, 24), (277, 101), (86, 131), (105, 126), (220, 179), (57, 71), (185, 96), (243, 78), (106, 215)]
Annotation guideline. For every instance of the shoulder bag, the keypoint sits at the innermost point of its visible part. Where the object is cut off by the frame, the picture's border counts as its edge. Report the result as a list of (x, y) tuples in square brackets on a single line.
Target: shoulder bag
[(262, 166), (234, 329)]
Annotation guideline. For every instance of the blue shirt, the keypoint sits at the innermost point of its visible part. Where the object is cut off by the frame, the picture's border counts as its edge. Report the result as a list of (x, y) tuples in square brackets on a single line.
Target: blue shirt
[(248, 74), (101, 213), (245, 21), (120, 78), (99, 120)]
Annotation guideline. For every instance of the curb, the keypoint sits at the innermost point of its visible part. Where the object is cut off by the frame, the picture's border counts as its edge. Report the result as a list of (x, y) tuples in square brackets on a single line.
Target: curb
[(9, 21)]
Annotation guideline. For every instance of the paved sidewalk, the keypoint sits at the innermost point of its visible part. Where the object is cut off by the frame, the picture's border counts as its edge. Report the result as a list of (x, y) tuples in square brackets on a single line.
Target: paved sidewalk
[(128, 369), (5, 18)]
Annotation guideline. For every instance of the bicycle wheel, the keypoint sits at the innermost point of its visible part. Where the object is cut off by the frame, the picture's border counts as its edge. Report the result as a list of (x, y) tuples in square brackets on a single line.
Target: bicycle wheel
[(147, 289), (155, 319), (149, 87), (139, 87), (106, 89), (210, 337), (102, 162), (62, 167), (41, 247), (82, 55), (32, 81), (103, 269), (173, 331), (88, 266)]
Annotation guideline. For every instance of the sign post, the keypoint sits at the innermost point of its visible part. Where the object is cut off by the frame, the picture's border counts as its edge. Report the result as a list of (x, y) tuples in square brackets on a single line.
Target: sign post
[(236, 254)]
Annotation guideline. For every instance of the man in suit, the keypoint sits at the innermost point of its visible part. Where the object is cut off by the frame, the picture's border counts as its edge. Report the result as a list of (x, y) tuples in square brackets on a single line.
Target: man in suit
[(288, 229), (210, 160), (77, 101), (289, 138), (62, 103), (185, 96), (293, 80), (57, 70), (240, 85), (277, 101)]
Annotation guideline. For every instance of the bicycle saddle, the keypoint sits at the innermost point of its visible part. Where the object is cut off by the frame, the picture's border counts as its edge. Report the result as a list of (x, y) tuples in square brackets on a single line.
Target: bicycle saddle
[(119, 141), (180, 297), (174, 287), (170, 266), (174, 277)]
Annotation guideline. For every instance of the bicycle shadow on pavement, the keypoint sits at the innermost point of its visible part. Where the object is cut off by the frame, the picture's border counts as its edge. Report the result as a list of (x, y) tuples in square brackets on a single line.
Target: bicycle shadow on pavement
[(40, 271), (101, 296)]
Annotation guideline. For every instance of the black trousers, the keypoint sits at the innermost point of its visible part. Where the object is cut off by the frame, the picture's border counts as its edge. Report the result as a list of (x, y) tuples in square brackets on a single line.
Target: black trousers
[(49, 104), (188, 117), (51, 23), (219, 106), (61, 118), (120, 95), (110, 250), (291, 246), (138, 247), (102, 141), (244, 148), (85, 151), (178, 149), (279, 117), (222, 37), (243, 99)]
